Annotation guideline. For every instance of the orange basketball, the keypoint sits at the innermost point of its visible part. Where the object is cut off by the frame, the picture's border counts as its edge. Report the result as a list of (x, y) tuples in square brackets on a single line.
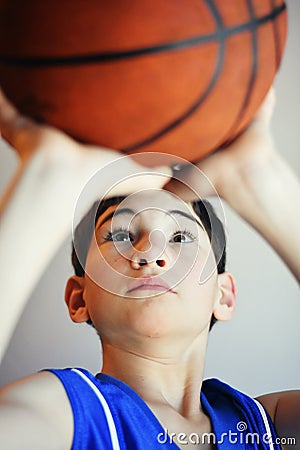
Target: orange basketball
[(174, 76)]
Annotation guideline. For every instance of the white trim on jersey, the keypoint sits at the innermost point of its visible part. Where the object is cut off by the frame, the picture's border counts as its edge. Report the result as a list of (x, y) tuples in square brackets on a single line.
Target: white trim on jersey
[(266, 423), (109, 417)]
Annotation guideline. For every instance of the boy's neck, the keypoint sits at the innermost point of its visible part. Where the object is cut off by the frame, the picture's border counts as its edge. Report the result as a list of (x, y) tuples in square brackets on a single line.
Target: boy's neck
[(172, 380)]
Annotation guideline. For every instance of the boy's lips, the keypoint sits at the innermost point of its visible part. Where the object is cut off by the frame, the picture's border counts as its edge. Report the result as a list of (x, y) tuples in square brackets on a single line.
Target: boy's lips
[(150, 284)]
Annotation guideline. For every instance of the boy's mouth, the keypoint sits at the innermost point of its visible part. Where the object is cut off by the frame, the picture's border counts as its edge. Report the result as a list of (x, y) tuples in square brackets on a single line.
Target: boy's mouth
[(150, 284)]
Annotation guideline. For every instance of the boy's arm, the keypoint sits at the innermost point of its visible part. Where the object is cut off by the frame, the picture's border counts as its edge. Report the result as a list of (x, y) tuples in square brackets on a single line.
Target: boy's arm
[(258, 184), (284, 410), (35, 414), (37, 209), (269, 200)]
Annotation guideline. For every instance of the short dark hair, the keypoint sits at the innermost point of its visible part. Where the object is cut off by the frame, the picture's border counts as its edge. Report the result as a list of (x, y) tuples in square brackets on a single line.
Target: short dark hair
[(204, 210)]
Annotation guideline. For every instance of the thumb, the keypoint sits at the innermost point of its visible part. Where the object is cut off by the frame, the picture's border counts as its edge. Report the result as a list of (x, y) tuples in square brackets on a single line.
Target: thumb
[(195, 181), (140, 177), (265, 112), (16, 129)]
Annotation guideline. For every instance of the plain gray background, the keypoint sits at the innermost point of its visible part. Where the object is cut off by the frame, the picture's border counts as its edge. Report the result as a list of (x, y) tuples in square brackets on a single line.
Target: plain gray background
[(258, 351)]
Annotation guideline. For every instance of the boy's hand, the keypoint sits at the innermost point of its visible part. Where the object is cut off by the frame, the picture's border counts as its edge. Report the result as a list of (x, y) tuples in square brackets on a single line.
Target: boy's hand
[(256, 182), (54, 150), (41, 199), (226, 167)]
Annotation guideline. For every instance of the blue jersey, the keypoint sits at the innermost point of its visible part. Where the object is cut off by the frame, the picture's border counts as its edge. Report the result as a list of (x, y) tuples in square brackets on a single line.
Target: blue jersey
[(109, 415)]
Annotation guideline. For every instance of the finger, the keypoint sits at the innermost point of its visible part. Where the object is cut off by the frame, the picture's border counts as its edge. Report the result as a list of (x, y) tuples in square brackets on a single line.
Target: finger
[(143, 178), (14, 127), (157, 177), (194, 181), (10, 118), (265, 112), (181, 190)]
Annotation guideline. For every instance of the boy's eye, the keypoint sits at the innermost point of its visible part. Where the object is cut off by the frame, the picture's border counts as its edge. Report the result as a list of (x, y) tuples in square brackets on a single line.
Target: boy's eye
[(119, 236), (182, 237)]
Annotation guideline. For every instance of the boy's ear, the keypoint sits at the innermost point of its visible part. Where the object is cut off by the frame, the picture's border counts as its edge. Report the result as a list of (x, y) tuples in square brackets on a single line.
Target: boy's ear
[(226, 301), (74, 299)]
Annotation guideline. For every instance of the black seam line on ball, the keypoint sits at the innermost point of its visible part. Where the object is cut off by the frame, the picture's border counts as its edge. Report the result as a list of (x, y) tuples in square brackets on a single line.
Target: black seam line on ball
[(252, 79), (276, 38), (219, 64), (219, 35)]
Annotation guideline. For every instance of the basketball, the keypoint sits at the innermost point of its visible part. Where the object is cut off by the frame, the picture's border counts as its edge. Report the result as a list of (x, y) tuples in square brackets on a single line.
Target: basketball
[(173, 76)]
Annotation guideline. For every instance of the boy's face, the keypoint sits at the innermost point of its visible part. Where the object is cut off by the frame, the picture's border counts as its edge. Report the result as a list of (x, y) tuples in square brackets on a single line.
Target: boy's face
[(150, 269)]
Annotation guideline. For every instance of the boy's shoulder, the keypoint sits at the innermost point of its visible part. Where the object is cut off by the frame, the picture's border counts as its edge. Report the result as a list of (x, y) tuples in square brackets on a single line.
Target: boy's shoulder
[(40, 406)]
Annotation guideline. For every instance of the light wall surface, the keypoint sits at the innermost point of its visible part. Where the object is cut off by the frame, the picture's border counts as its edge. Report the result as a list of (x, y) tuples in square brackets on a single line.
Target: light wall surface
[(258, 351)]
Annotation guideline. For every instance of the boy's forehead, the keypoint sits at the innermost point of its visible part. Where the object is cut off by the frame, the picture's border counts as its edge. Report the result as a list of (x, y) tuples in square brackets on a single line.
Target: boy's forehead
[(143, 201)]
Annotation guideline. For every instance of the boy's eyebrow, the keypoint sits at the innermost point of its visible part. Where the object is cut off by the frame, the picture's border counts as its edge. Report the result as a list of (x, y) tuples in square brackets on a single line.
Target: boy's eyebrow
[(184, 214), (120, 211), (114, 213)]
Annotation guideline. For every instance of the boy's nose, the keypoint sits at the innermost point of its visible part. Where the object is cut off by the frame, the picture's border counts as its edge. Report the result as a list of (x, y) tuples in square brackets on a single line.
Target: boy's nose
[(150, 251), (143, 262)]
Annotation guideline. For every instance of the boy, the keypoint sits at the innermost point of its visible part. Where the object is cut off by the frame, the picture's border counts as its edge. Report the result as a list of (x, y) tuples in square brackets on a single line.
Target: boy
[(153, 357)]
